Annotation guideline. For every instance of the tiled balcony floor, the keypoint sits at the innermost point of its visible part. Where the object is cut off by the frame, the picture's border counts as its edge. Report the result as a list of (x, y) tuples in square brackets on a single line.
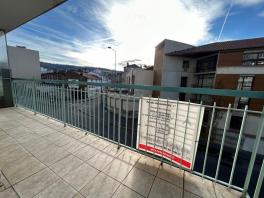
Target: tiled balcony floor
[(41, 158)]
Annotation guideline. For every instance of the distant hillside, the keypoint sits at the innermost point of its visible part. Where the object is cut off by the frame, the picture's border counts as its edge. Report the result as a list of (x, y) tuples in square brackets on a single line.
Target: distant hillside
[(60, 67)]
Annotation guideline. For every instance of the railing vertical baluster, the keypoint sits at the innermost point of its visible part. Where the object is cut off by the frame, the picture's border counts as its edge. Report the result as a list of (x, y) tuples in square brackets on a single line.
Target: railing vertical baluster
[(108, 114), (94, 98), (64, 105), (42, 105), (114, 116), (34, 98), (238, 145), (185, 132), (254, 153), (208, 138), (38, 106), (13, 92), (44, 98), (222, 142), (156, 125), (174, 131), (126, 119), (196, 141), (72, 106), (23, 91), (140, 115), (89, 106), (103, 99), (78, 108), (164, 135), (56, 102), (85, 111), (260, 181), (147, 132), (53, 102), (43, 91), (60, 100), (81, 109), (119, 117), (98, 112), (133, 122), (68, 104)]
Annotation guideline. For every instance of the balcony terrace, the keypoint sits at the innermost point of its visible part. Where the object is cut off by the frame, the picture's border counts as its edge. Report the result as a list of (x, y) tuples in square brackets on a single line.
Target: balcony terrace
[(41, 158)]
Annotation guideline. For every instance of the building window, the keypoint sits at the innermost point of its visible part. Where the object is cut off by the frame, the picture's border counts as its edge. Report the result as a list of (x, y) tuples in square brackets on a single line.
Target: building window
[(244, 83), (261, 55), (207, 64), (252, 59), (205, 81), (250, 56), (185, 65)]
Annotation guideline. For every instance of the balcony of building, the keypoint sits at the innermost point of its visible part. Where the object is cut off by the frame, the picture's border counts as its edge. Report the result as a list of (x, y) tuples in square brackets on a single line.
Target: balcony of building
[(40, 157), (65, 142)]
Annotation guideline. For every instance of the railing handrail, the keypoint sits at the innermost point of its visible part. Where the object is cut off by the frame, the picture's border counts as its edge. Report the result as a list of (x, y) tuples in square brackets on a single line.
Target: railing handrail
[(190, 90)]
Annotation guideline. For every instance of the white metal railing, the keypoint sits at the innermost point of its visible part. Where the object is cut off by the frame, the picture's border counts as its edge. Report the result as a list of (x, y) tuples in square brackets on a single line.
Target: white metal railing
[(114, 116)]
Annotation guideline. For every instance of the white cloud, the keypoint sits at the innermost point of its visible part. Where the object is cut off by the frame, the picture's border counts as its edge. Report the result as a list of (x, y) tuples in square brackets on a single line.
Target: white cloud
[(135, 28), (140, 25)]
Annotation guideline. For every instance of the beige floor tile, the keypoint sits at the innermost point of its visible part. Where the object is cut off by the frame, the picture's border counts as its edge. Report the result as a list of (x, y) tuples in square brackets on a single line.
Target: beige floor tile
[(163, 189), (59, 189), (88, 139), (80, 176), (78, 195), (9, 141), (4, 183), (17, 130), (55, 138), (51, 154), (21, 169), (35, 183), (198, 186), (73, 146), (118, 169), (34, 146), (224, 192), (129, 156), (27, 137), (66, 165), (171, 174), (148, 164), (113, 150), (101, 144), (44, 131), (74, 133), (11, 156), (4, 125), (63, 141), (86, 153), (8, 193), (140, 181), (100, 160), (190, 195), (101, 186), (126, 192)]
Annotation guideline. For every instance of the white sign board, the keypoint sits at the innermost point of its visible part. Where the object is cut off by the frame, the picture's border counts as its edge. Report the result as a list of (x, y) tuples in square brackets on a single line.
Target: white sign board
[(170, 129)]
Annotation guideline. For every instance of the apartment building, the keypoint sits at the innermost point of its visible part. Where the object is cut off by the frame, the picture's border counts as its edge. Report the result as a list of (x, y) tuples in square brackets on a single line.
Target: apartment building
[(134, 74), (24, 63), (237, 64)]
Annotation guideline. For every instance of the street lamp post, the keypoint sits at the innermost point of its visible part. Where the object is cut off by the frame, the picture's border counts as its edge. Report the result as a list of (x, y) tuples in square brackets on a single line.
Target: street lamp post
[(115, 60)]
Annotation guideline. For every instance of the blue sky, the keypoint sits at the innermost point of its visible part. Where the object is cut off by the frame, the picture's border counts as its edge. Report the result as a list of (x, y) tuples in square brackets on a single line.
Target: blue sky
[(79, 31)]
